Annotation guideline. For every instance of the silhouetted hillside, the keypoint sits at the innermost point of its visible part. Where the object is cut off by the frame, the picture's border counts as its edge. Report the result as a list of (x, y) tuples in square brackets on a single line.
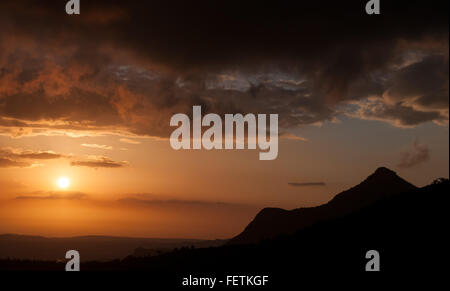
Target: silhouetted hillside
[(271, 222), (407, 229)]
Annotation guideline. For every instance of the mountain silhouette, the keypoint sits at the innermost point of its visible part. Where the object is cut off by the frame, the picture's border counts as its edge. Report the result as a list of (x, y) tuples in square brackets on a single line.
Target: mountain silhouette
[(271, 222), (407, 229)]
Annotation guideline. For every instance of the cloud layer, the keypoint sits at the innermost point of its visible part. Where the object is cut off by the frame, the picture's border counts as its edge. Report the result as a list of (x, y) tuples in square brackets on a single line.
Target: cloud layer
[(19, 158), (125, 68)]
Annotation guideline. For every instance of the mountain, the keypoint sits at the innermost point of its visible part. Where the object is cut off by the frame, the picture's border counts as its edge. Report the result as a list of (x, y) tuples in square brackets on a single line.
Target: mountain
[(271, 222)]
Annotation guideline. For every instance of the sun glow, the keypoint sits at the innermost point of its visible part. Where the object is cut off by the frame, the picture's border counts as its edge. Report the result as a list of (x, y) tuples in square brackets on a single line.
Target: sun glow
[(63, 182)]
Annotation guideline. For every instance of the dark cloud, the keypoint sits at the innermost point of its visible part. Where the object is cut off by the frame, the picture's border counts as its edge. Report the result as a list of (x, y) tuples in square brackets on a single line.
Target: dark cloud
[(399, 113), (415, 94), (98, 162), (126, 67), (306, 184), (418, 154), (424, 83)]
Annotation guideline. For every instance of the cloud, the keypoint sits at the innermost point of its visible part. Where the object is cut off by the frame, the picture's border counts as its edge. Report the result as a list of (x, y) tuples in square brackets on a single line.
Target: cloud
[(10, 158), (51, 195), (18, 158), (129, 141), (98, 162), (424, 83), (416, 93), (306, 184), (7, 163), (40, 155), (144, 62), (398, 114), (418, 154), (97, 146), (29, 154)]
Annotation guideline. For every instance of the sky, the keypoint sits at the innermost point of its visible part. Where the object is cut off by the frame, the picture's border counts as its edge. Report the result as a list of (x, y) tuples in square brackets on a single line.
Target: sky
[(89, 97)]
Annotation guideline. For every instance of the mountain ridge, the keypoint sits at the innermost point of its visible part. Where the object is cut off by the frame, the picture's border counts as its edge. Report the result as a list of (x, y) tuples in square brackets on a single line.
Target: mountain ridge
[(270, 222)]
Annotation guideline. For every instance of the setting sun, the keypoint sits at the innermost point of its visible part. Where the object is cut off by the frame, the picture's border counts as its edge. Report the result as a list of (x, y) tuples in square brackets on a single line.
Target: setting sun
[(63, 182)]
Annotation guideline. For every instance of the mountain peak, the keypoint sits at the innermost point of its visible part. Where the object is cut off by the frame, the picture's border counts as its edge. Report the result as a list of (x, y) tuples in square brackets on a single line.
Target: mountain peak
[(271, 222), (383, 176), (384, 171), (383, 182)]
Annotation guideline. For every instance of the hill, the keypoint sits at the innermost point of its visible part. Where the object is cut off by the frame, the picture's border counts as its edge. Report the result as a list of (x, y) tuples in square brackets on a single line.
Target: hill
[(271, 222)]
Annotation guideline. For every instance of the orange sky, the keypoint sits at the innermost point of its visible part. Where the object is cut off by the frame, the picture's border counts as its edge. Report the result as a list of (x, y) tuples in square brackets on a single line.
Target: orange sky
[(160, 192), (89, 97)]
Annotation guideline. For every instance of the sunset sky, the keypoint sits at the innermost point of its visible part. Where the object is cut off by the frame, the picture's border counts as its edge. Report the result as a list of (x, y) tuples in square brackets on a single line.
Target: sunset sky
[(89, 98)]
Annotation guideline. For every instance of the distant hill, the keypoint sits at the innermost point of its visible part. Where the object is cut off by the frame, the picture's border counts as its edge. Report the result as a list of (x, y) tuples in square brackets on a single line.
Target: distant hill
[(91, 248), (271, 222)]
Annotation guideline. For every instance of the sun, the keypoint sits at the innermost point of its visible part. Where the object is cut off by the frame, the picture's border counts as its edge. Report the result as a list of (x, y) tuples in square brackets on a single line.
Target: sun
[(63, 182)]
